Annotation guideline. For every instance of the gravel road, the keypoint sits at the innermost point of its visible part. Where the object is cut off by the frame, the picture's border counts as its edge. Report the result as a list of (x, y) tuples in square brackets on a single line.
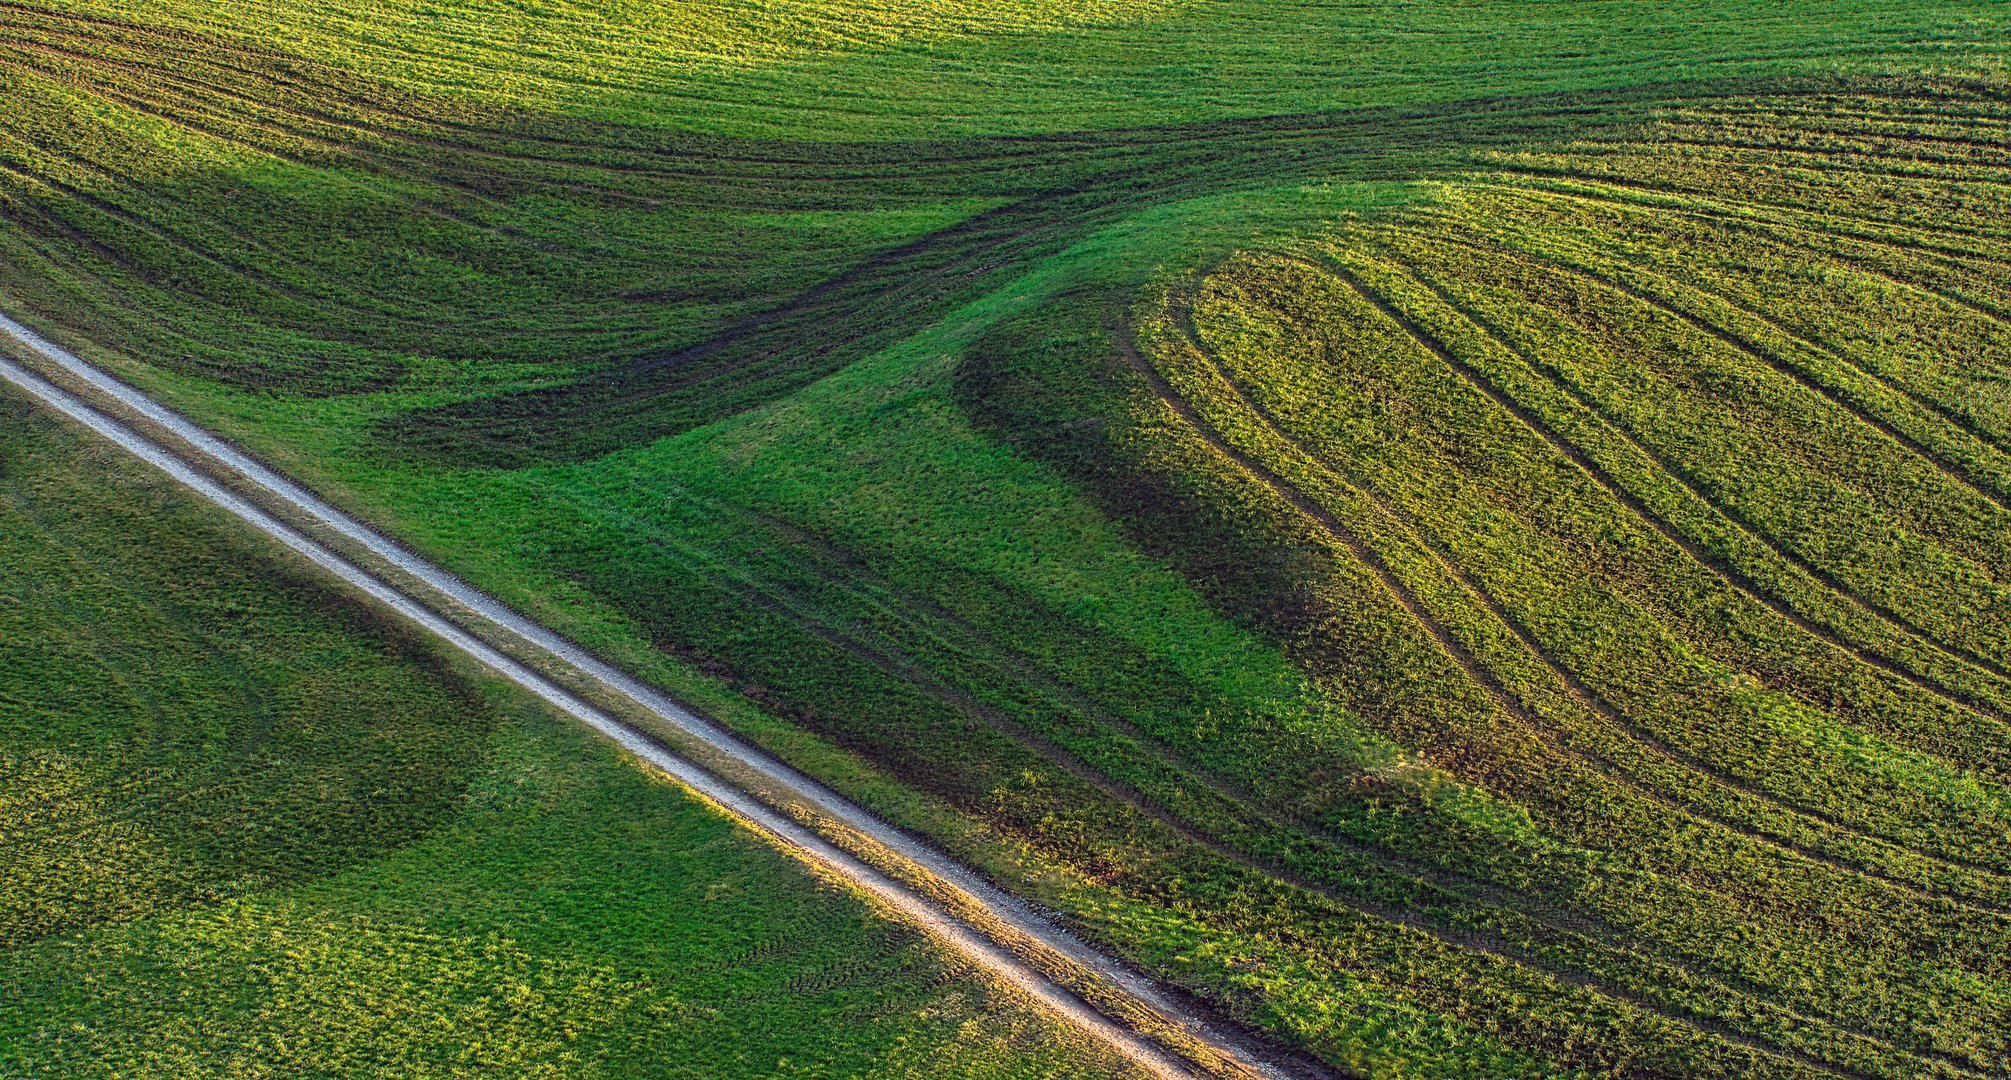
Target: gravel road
[(204, 459)]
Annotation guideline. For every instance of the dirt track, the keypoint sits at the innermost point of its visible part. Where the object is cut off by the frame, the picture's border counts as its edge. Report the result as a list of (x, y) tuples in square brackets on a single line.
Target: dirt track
[(233, 481)]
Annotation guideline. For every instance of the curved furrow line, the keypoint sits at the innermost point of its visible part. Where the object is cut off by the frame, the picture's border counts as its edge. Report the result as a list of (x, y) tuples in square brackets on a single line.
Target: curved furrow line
[(18, 212), (1506, 700), (1740, 580), (1401, 594), (1682, 475), (1949, 259), (1732, 982), (1967, 655), (1715, 138), (190, 39), (351, 135), (851, 638), (229, 76), (1585, 695), (206, 123), (1685, 201), (1917, 153), (1924, 404), (333, 290), (202, 50), (1816, 162), (1666, 190), (198, 50), (313, 289), (1571, 452), (845, 574), (1795, 372), (1460, 887), (192, 95), (1760, 228), (1950, 263), (999, 155), (1775, 360), (1858, 163), (255, 278), (1891, 133), (950, 631)]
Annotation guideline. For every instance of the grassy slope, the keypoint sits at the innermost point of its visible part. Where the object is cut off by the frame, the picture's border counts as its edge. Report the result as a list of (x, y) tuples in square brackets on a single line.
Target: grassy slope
[(1041, 640), (247, 829)]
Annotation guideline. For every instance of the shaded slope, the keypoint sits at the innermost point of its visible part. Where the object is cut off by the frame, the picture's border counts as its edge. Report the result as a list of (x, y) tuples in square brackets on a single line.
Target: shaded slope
[(1644, 504)]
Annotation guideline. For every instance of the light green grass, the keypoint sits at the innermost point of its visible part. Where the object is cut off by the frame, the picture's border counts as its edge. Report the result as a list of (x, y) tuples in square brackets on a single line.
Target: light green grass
[(250, 830), (1600, 800)]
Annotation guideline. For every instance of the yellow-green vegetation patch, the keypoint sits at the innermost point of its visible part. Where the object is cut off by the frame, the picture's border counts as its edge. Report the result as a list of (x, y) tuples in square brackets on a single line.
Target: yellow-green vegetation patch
[(836, 69), (183, 718), (1638, 483), (246, 830), (1470, 535)]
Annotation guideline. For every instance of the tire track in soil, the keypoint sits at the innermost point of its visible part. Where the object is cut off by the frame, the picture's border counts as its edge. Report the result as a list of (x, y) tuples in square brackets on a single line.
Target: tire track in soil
[(1955, 650), (190, 469), (1587, 696), (1596, 704), (1400, 593), (1738, 579), (886, 656)]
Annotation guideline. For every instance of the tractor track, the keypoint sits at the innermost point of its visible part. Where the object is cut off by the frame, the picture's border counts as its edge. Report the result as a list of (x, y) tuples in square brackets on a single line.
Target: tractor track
[(232, 481)]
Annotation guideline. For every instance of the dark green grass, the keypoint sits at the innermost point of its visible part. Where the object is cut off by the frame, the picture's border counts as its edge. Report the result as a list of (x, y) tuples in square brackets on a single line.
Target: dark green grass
[(1581, 488), (183, 719), (1555, 634), (248, 829), (594, 271)]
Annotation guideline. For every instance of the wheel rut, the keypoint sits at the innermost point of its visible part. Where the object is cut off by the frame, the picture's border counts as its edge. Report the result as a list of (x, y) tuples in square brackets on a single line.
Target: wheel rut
[(1598, 705)]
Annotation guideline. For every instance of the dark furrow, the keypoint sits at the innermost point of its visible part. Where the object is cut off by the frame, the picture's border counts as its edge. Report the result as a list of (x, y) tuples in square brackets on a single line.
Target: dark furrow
[(334, 292), (1400, 593), (1969, 656), (1924, 404), (847, 574), (1484, 678), (1584, 168), (846, 637), (1680, 192), (257, 279), (212, 124), (1010, 153), (1809, 157), (1756, 225), (1921, 401), (1795, 372), (1681, 475), (1586, 696), (1738, 579)]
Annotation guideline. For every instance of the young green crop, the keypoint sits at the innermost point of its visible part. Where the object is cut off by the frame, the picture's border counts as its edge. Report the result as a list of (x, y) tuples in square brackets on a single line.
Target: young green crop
[(249, 828), (1470, 536)]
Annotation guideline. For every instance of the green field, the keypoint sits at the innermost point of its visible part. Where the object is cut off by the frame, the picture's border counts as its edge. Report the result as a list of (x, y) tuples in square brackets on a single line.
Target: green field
[(247, 829), (1476, 536)]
